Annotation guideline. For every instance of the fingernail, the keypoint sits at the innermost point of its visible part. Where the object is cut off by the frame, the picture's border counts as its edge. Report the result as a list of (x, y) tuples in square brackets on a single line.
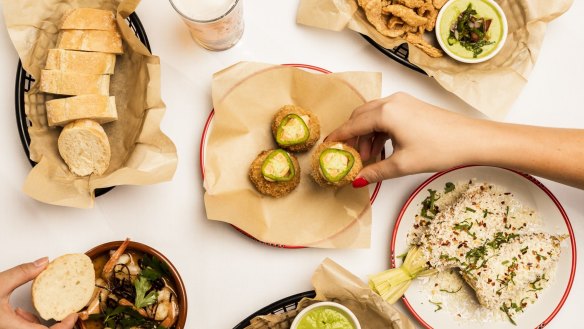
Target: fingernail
[(360, 182), (41, 262)]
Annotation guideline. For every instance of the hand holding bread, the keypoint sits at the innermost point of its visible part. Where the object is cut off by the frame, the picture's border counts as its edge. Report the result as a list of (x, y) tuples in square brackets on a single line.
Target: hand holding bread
[(10, 280)]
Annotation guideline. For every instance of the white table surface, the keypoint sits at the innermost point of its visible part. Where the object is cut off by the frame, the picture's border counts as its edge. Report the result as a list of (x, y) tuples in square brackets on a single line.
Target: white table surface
[(229, 276)]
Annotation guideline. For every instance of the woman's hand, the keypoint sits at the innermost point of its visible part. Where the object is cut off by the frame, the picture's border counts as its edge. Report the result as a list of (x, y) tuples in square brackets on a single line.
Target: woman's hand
[(13, 278), (425, 138)]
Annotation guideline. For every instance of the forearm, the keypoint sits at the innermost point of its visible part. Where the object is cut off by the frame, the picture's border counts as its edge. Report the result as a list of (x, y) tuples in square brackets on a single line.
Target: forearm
[(552, 153)]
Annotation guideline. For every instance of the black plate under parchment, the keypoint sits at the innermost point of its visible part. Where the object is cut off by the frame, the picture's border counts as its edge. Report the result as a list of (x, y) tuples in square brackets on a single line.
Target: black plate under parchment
[(283, 305), (24, 81), (398, 54)]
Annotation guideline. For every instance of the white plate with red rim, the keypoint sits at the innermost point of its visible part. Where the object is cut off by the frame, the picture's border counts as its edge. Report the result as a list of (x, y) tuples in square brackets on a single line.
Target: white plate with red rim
[(373, 189), (531, 193)]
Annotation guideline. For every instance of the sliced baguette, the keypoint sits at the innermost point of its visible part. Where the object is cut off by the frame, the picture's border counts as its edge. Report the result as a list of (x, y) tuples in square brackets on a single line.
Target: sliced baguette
[(70, 83), (80, 61), (99, 108), (64, 287), (91, 40), (89, 19), (84, 147)]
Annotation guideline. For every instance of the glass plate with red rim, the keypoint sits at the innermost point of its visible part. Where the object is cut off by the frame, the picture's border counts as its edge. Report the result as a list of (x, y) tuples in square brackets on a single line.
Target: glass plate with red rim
[(530, 192), (374, 189)]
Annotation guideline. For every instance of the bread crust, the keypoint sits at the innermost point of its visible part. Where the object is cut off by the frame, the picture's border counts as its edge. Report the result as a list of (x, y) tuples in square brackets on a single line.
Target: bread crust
[(313, 127), (99, 108), (80, 61), (317, 173), (89, 19), (68, 83), (91, 40), (273, 189)]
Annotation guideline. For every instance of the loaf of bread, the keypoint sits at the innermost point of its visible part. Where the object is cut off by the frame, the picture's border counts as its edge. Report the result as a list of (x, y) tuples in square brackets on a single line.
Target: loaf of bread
[(91, 40), (80, 61), (89, 19), (85, 148), (71, 83), (64, 287), (99, 108)]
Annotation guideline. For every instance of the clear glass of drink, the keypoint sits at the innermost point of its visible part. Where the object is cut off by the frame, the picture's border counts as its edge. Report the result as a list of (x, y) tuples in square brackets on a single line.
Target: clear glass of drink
[(214, 24)]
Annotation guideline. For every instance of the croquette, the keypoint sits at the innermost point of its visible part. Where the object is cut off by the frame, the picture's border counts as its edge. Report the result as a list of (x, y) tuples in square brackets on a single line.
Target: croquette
[(295, 129), (335, 164), (275, 173)]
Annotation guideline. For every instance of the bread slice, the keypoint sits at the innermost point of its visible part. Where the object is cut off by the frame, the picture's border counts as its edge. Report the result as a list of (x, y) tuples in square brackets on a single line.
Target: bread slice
[(99, 108), (85, 148), (89, 19), (64, 287), (71, 83), (91, 40), (80, 61)]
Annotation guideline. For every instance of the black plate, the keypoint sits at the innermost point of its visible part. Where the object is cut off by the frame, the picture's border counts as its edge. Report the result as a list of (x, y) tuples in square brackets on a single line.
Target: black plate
[(398, 54), (24, 81), (283, 305)]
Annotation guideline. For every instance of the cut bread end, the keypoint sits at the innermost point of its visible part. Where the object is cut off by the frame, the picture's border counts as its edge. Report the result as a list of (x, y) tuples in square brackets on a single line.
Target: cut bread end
[(85, 148)]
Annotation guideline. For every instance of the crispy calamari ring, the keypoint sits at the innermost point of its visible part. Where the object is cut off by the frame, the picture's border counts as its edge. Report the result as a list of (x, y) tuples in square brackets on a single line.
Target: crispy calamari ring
[(408, 15), (419, 42), (410, 3), (375, 16), (438, 3), (428, 11)]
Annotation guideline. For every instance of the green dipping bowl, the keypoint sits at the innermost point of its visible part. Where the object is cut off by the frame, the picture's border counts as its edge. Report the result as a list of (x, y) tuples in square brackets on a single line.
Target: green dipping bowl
[(325, 315)]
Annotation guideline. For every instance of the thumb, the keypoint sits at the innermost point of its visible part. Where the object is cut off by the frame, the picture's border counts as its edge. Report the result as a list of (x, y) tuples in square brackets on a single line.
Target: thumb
[(377, 172), (21, 274), (67, 323)]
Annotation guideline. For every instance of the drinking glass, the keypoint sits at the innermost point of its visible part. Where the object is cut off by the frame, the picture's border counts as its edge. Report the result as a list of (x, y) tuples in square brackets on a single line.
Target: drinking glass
[(214, 24)]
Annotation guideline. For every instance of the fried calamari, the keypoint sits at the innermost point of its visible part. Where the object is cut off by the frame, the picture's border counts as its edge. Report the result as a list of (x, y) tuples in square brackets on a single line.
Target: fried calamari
[(408, 19)]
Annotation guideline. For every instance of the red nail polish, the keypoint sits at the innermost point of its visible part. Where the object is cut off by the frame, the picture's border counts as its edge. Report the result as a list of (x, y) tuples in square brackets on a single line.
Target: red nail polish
[(360, 182)]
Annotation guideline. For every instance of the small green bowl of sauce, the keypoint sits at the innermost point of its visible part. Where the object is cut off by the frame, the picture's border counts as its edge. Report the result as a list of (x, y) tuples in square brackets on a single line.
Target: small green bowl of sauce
[(471, 31), (326, 315)]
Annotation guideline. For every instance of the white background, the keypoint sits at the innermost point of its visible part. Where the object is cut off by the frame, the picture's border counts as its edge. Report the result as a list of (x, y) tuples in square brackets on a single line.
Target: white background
[(229, 276)]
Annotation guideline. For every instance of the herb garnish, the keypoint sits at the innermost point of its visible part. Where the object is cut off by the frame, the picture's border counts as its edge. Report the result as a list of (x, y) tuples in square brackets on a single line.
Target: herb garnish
[(449, 187), (144, 296), (470, 31), (451, 291), (438, 305), (428, 205), (465, 226)]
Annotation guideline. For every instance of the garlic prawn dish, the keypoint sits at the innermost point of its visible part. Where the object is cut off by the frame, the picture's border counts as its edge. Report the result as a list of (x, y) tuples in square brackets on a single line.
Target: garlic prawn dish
[(133, 290)]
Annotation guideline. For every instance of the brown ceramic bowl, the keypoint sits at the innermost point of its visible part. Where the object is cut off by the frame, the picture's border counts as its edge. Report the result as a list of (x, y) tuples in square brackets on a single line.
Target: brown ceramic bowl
[(136, 246)]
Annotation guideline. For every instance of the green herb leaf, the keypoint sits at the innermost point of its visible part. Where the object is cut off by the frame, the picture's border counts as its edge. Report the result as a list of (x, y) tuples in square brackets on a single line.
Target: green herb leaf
[(143, 298), (449, 187), (438, 305), (155, 265), (451, 291)]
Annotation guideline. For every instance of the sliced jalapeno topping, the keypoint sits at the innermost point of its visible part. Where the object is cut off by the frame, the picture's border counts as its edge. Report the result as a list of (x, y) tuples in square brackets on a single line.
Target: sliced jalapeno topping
[(335, 164), (292, 130), (278, 167)]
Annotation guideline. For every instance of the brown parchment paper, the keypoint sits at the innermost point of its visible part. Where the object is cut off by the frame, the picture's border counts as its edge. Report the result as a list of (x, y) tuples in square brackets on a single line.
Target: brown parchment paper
[(334, 283), (141, 153), (490, 87), (245, 97)]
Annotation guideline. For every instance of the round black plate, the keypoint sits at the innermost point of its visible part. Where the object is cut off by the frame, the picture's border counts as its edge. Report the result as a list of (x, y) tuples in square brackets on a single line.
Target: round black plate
[(24, 81), (398, 54), (283, 305)]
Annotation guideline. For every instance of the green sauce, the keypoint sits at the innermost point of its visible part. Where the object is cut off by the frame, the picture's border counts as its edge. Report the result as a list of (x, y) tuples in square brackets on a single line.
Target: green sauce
[(485, 10), (326, 318)]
